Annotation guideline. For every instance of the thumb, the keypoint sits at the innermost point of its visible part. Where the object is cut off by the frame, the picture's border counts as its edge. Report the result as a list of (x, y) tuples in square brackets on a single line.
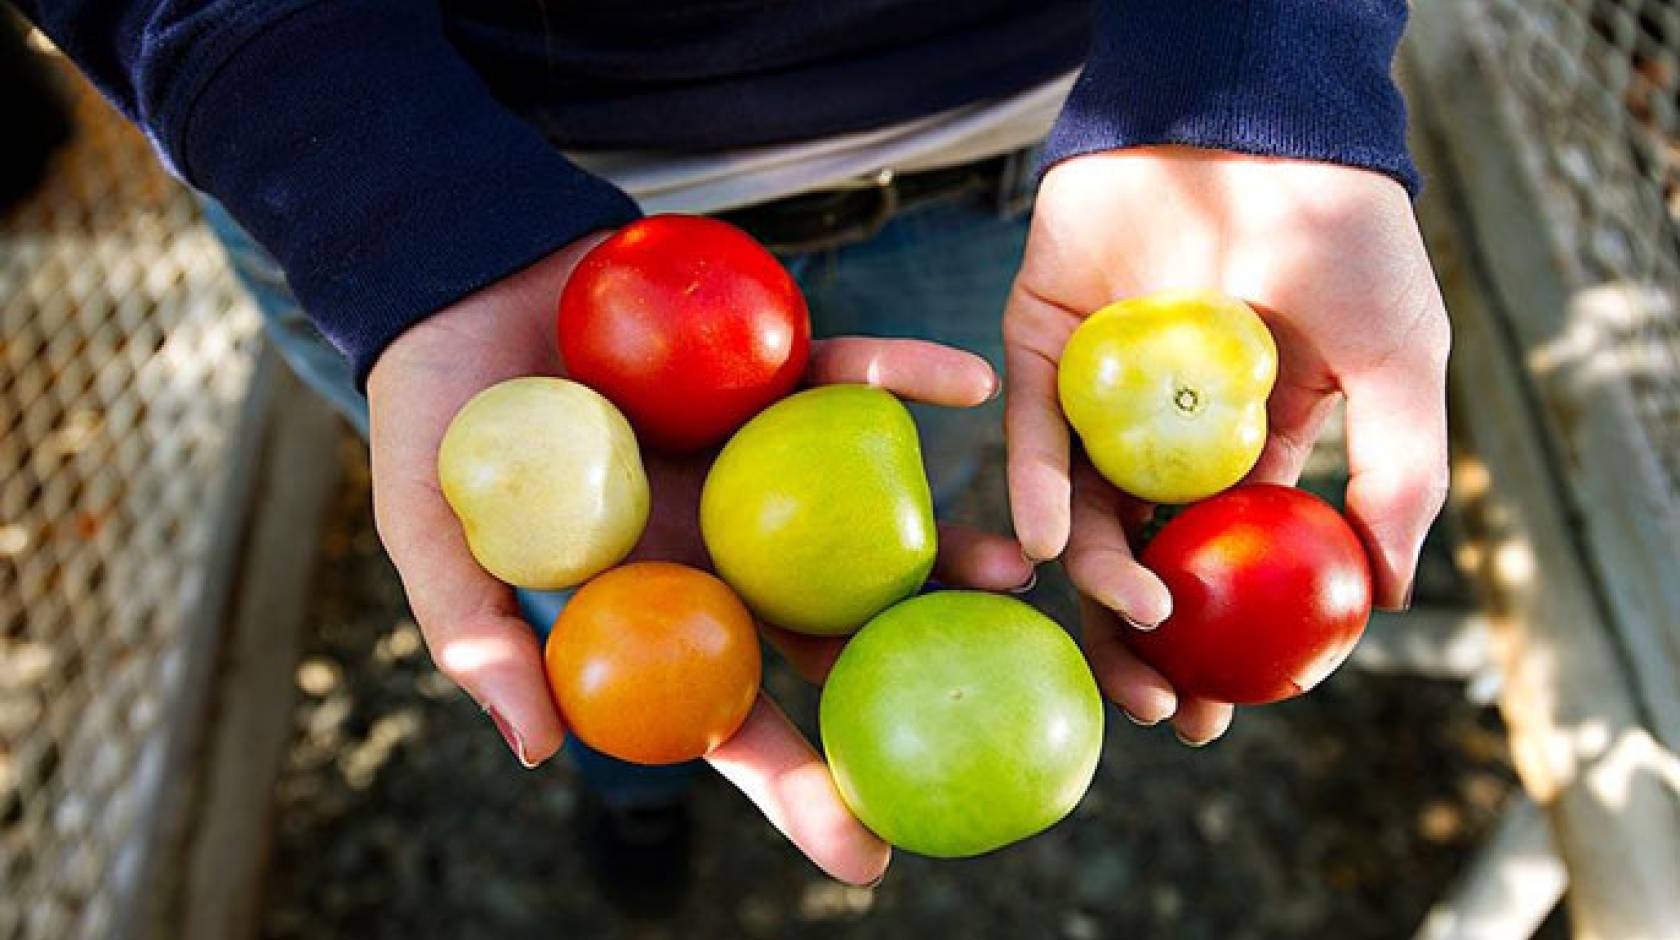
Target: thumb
[(470, 620)]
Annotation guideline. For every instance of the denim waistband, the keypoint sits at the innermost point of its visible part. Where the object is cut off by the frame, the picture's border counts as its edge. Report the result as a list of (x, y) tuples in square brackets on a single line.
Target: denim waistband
[(853, 214)]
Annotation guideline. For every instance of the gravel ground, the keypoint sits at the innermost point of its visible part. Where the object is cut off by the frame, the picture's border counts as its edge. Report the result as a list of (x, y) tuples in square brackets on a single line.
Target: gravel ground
[(400, 814)]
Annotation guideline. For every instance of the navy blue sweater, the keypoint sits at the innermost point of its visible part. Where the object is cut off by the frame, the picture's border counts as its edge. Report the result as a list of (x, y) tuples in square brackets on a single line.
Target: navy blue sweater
[(389, 154)]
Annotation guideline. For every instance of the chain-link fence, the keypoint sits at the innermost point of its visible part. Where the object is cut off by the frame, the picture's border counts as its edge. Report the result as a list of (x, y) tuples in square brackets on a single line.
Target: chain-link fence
[(1595, 85), (126, 350)]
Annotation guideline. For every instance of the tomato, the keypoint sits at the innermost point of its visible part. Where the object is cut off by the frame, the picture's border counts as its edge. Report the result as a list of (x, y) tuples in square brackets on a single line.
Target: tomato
[(1271, 590), (687, 324), (546, 480), (958, 722), (1168, 392), (654, 662), (818, 511)]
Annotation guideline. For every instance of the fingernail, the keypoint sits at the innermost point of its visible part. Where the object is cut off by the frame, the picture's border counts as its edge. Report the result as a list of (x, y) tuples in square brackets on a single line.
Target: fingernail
[(515, 743), (877, 882), (997, 389), (1189, 743), (1138, 721), (1032, 582), (1135, 624), (1405, 600)]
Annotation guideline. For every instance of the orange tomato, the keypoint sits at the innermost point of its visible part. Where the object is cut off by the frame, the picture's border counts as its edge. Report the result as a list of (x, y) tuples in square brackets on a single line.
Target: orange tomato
[(655, 663)]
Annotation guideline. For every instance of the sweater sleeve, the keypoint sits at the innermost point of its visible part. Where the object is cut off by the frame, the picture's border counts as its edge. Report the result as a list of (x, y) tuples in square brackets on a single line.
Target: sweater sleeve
[(1309, 79), (349, 138)]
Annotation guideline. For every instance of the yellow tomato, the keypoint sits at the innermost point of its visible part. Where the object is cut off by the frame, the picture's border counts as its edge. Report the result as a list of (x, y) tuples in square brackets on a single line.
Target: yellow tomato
[(546, 480), (1168, 392)]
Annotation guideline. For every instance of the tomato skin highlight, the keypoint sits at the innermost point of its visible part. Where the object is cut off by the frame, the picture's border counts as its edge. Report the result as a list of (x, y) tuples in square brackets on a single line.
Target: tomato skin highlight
[(654, 663), (685, 323), (1271, 591)]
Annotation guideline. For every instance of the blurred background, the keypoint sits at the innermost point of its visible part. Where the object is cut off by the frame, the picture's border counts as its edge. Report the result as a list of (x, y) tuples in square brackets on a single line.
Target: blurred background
[(217, 718)]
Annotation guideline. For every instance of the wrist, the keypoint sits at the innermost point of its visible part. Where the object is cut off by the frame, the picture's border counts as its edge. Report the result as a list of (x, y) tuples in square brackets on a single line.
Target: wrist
[(1223, 183), (506, 327)]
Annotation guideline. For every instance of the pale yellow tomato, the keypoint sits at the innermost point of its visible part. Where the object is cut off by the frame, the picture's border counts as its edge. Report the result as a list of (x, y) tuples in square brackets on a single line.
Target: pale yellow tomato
[(546, 480), (1168, 392)]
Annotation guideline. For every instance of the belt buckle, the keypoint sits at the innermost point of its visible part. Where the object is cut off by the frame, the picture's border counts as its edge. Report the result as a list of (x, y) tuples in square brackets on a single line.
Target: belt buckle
[(787, 227), (885, 188)]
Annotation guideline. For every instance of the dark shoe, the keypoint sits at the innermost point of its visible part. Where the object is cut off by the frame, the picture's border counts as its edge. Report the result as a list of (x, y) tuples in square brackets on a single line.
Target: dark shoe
[(638, 855)]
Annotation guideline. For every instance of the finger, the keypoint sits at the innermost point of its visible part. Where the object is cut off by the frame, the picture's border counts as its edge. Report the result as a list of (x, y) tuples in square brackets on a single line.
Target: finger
[(909, 368), (1135, 517), (1099, 560), (1295, 415), (1034, 431), (810, 656), (1397, 463), (1298, 405), (770, 761), (1200, 721), (1140, 691), (470, 620), (985, 561)]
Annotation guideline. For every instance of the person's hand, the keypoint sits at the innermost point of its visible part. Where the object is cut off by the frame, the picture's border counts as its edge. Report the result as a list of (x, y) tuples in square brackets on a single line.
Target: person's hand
[(471, 621), (1332, 259)]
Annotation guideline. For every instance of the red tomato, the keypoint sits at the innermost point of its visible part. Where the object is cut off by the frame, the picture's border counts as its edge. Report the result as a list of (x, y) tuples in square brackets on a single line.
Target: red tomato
[(1271, 590), (687, 324), (654, 662)]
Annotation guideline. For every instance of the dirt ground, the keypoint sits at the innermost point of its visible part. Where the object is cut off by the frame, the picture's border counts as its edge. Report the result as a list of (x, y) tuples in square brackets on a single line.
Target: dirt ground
[(400, 814)]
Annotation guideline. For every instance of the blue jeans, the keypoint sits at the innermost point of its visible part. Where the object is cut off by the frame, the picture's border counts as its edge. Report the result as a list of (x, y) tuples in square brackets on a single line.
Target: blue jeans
[(939, 271)]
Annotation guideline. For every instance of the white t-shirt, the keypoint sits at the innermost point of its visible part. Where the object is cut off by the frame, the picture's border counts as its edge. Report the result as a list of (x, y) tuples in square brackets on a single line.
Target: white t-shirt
[(666, 182)]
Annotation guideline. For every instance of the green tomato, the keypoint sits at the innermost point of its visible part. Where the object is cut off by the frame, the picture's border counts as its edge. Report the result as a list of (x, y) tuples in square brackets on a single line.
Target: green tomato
[(1168, 392), (817, 512), (958, 722), (546, 480)]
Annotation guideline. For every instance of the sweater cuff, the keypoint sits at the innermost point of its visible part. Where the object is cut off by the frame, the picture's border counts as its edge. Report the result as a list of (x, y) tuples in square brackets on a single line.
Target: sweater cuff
[(1307, 79), (356, 145)]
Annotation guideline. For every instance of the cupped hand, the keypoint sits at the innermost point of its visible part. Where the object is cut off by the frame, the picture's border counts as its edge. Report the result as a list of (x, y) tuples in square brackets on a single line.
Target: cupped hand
[(1332, 258), (471, 621)]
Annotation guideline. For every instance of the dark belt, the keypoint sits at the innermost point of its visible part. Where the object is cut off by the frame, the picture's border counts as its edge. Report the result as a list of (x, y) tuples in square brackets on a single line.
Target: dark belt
[(836, 217)]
